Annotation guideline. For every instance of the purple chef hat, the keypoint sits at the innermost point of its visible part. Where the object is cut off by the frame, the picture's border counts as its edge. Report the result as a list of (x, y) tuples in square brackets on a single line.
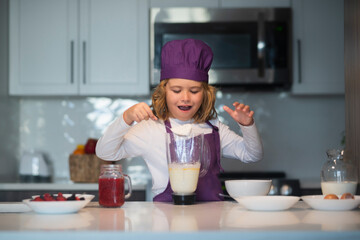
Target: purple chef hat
[(188, 59)]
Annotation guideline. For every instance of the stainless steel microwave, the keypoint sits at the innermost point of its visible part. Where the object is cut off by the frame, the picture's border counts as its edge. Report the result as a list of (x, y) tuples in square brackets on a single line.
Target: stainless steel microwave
[(251, 46)]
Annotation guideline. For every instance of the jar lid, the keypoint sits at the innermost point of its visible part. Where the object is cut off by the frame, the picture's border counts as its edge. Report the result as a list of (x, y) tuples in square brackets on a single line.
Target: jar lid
[(111, 167)]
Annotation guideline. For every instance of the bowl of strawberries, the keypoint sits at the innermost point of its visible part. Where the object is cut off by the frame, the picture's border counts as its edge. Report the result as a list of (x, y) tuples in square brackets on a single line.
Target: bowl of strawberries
[(58, 203)]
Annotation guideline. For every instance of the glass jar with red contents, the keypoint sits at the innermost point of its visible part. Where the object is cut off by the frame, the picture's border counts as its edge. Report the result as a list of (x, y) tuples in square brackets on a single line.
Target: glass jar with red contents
[(111, 186)]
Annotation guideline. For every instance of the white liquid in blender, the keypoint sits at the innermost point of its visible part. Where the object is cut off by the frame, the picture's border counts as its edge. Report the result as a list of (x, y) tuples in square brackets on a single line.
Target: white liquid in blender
[(184, 177), (338, 188)]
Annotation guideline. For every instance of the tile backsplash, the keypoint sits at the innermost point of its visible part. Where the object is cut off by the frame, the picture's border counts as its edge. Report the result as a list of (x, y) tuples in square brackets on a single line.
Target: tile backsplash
[(55, 126), (296, 131)]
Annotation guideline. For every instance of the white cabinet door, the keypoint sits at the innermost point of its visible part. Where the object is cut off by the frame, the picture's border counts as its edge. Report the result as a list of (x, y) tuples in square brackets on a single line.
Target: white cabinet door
[(318, 47), (43, 53), (72, 47), (110, 57)]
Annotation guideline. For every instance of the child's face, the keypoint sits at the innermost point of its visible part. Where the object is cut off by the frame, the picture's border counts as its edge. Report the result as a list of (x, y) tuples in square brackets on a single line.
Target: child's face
[(183, 98)]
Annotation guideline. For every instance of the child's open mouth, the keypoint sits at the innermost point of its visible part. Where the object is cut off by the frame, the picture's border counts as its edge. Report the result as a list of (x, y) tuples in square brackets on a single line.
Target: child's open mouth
[(184, 108)]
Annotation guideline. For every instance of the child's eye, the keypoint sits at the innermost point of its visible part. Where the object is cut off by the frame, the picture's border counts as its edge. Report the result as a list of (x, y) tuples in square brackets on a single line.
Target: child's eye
[(194, 91), (176, 91)]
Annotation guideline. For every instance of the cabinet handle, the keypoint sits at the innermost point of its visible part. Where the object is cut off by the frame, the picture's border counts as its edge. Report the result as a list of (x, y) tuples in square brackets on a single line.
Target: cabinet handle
[(84, 62), (299, 60), (72, 62), (261, 45)]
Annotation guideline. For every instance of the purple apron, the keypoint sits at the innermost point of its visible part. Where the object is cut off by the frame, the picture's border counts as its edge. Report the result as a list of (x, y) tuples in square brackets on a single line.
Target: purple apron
[(209, 186)]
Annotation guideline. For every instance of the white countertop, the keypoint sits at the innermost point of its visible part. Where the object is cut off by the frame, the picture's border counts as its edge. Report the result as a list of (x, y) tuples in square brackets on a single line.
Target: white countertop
[(212, 220)]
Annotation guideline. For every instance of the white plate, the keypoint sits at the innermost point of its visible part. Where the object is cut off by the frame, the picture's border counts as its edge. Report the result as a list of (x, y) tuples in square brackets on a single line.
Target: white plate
[(267, 203), (319, 203), (59, 207)]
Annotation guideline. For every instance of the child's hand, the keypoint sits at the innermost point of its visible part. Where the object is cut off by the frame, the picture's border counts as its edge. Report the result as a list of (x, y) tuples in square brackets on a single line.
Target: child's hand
[(137, 113), (241, 114)]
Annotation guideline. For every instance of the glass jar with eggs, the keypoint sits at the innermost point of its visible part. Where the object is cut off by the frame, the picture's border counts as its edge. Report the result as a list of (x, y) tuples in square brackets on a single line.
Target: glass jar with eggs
[(338, 176)]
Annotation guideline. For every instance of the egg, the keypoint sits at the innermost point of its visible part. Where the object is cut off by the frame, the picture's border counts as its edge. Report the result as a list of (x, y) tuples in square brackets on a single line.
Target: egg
[(331, 196), (347, 196)]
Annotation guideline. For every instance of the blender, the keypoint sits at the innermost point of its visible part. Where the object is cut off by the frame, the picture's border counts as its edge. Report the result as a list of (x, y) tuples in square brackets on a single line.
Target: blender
[(185, 156)]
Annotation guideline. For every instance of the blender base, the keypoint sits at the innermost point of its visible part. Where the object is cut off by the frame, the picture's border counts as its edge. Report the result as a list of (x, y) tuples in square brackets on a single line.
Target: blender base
[(184, 199)]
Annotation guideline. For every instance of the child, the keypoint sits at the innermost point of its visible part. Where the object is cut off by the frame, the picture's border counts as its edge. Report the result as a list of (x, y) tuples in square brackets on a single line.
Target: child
[(183, 96)]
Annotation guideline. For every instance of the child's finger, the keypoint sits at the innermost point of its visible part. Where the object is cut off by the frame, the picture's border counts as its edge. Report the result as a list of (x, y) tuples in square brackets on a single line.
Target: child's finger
[(251, 114), (141, 114), (240, 106), (228, 110), (246, 108), (150, 114)]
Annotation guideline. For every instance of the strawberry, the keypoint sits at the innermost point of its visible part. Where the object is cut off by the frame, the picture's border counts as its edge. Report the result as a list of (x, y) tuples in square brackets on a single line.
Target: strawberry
[(61, 198), (48, 197), (38, 199)]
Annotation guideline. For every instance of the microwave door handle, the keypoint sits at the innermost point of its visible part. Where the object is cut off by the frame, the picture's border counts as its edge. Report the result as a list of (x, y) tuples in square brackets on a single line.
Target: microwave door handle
[(261, 45)]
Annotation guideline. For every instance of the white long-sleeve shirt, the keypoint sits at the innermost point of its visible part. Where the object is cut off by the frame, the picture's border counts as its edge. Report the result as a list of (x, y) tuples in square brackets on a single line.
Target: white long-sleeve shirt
[(147, 139)]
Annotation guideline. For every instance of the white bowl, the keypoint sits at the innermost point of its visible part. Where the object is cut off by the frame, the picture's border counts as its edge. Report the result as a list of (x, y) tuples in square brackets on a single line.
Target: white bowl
[(59, 207), (238, 188)]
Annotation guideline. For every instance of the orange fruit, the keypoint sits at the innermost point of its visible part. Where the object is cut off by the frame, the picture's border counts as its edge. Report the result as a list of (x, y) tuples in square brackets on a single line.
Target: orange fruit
[(347, 196), (331, 196), (79, 150)]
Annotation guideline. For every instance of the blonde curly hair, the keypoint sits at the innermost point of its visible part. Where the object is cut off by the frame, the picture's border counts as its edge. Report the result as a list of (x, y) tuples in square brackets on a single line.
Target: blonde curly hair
[(206, 111)]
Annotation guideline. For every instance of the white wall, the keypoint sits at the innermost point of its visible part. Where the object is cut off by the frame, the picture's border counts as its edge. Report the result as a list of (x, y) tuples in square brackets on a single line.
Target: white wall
[(296, 131)]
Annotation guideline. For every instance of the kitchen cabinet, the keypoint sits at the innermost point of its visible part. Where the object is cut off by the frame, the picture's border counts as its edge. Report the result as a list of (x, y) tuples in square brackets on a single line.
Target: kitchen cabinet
[(78, 47), (318, 47)]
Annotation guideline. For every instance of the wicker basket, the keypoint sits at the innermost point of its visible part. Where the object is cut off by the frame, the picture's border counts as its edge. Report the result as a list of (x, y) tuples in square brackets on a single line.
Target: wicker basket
[(85, 168)]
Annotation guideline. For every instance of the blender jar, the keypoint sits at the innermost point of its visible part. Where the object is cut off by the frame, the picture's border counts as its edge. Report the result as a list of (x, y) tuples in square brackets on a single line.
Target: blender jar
[(184, 162)]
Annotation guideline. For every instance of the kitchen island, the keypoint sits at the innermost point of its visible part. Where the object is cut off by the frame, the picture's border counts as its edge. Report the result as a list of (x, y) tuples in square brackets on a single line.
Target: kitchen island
[(212, 220)]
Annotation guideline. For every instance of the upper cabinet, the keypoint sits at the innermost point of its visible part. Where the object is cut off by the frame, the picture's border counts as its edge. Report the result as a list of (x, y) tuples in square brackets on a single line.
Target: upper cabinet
[(318, 47), (101, 48), (43, 47), (73, 47)]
